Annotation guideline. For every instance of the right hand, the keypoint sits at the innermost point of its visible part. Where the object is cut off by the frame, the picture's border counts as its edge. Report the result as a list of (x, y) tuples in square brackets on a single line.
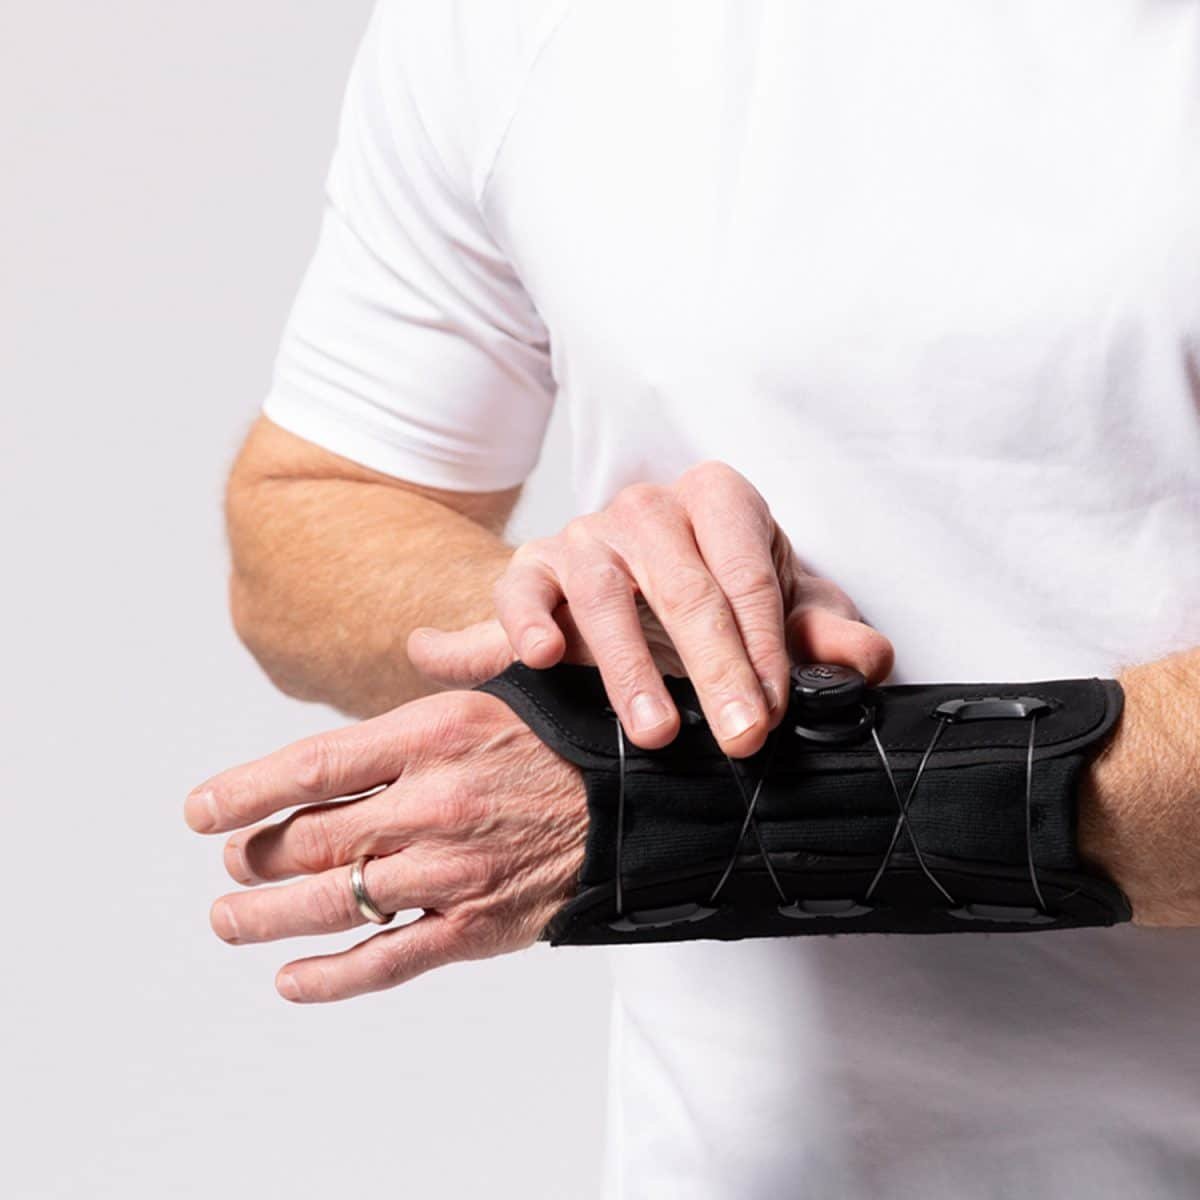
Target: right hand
[(693, 578)]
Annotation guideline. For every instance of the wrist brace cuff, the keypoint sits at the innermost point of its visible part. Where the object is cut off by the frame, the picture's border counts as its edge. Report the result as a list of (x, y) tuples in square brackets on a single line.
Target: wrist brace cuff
[(931, 808)]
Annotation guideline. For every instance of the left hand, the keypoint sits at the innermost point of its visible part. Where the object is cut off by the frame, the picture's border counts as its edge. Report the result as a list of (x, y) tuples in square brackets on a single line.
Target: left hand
[(481, 825), (691, 578)]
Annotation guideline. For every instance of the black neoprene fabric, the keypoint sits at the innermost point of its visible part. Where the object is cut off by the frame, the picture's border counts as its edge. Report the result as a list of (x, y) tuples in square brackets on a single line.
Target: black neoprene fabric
[(826, 815)]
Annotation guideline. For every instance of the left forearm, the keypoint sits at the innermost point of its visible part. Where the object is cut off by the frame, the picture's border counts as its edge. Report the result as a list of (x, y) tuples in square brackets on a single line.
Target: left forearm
[(1139, 813)]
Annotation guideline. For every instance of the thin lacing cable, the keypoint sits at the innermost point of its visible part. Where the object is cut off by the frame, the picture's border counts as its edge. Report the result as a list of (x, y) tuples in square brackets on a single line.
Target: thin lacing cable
[(902, 821), (620, 815), (1033, 878), (749, 823)]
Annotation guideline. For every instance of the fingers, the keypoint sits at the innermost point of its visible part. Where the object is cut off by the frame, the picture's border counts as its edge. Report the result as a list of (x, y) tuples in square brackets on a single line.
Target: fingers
[(460, 658), (698, 617), (325, 903), (354, 759), (672, 570), (456, 836), (718, 575), (737, 539), (526, 597), (824, 626), (601, 611), (644, 543), (320, 837), (603, 605), (383, 961)]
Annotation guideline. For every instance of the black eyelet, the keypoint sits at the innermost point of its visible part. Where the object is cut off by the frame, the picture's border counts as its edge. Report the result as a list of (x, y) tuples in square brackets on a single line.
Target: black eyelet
[(835, 734)]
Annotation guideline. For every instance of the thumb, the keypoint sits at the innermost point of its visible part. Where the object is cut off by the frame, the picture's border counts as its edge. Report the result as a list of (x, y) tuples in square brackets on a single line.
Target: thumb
[(816, 634), (460, 657)]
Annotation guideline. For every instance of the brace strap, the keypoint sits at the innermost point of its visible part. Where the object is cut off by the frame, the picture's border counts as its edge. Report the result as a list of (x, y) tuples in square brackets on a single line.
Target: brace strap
[(931, 808)]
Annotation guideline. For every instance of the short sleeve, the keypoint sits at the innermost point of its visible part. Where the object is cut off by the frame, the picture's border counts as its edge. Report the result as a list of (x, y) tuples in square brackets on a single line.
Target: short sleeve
[(412, 347)]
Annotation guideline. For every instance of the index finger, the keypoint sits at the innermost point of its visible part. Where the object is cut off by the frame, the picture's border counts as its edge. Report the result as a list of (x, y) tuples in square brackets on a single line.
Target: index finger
[(325, 766)]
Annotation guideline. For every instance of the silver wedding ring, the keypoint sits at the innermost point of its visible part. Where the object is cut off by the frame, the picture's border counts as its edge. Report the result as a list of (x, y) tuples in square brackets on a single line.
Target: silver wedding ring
[(358, 885)]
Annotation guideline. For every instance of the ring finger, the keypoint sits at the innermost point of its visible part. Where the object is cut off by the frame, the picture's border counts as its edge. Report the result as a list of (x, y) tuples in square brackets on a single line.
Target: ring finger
[(325, 903)]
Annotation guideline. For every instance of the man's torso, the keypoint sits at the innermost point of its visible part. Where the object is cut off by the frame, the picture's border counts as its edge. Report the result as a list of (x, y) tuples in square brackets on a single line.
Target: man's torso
[(929, 275)]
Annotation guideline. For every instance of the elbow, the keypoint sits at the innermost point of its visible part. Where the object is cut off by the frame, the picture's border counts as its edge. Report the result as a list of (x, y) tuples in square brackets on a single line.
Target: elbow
[(270, 645), (244, 612), (266, 628)]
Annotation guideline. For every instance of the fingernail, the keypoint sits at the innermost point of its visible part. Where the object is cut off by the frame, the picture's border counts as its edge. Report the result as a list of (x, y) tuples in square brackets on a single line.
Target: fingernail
[(236, 863), (648, 712), (288, 988), (224, 923), (735, 718), (200, 811), (771, 692)]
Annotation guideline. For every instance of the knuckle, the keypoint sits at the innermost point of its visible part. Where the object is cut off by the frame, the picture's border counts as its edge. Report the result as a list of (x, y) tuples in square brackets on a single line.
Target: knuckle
[(748, 577), (639, 499), (724, 486), (579, 532), (449, 727), (534, 550), (767, 651), (471, 709), (468, 706), (628, 674), (708, 468), (685, 593), (708, 473), (596, 578), (314, 847), (313, 768), (725, 677), (528, 560)]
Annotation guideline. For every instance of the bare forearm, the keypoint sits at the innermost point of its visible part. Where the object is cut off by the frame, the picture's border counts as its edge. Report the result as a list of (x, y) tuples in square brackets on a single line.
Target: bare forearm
[(1140, 808), (330, 575)]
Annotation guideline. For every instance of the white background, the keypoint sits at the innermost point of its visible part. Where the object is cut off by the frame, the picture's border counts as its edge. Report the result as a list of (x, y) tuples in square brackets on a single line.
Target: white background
[(162, 170)]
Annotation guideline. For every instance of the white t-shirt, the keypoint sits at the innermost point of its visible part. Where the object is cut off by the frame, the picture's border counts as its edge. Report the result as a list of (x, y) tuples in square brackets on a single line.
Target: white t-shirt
[(929, 275)]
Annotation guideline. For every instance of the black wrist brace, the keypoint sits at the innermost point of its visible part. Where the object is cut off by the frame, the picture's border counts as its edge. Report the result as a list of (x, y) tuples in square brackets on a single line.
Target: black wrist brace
[(933, 808)]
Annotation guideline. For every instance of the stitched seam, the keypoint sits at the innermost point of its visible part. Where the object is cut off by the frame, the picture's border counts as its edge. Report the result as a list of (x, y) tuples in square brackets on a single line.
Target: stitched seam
[(1093, 715), (1092, 719), (548, 716)]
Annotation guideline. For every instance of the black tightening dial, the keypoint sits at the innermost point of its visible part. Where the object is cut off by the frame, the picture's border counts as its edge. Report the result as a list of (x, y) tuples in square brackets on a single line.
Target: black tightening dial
[(826, 687)]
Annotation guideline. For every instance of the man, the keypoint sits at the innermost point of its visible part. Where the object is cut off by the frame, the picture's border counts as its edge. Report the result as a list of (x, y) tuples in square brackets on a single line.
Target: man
[(925, 278)]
